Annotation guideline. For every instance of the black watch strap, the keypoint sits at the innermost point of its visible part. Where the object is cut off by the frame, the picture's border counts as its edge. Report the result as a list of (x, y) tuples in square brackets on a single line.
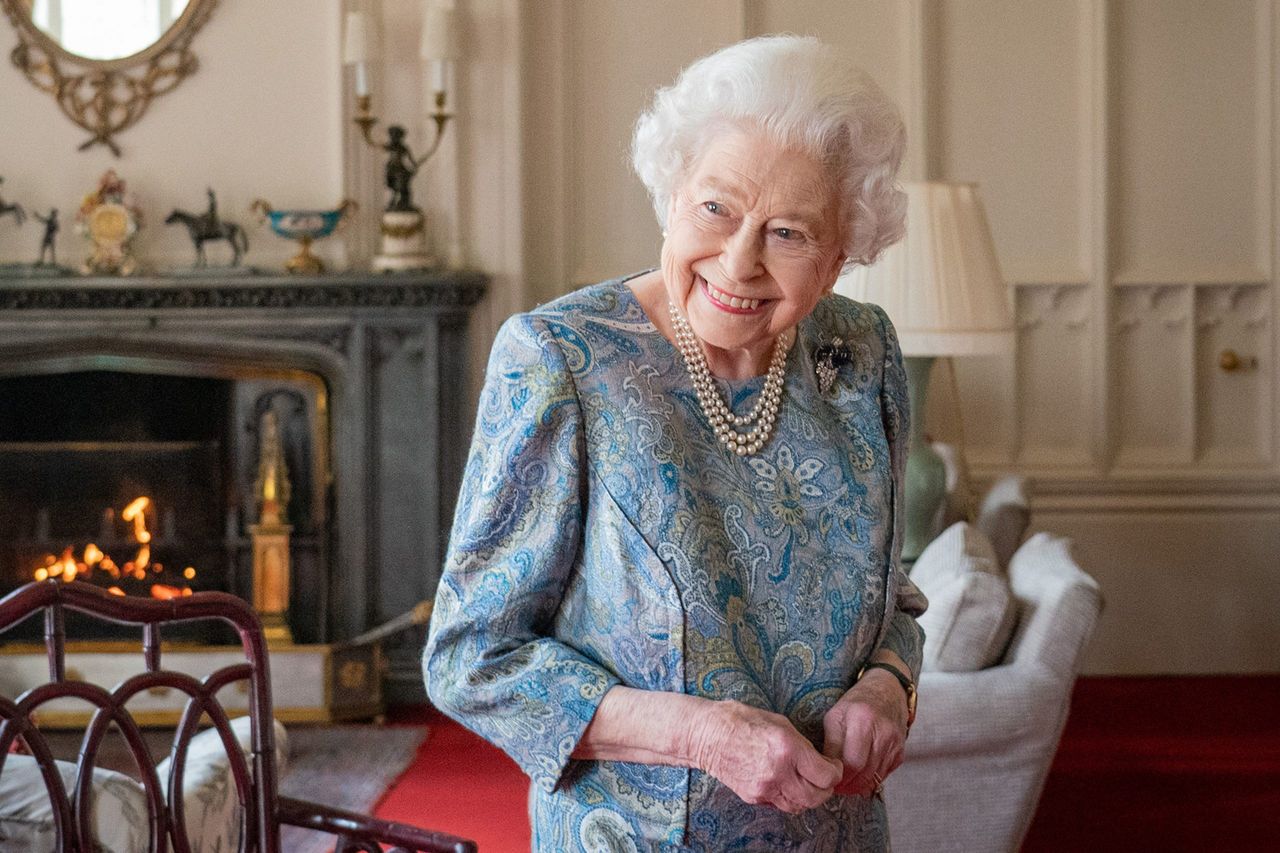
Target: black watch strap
[(907, 685)]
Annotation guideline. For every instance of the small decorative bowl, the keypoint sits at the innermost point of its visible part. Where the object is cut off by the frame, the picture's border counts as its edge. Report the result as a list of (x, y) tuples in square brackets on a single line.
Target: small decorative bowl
[(305, 226)]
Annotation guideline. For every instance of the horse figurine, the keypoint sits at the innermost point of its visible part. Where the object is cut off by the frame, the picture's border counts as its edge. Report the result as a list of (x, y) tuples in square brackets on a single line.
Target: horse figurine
[(208, 226), (16, 209)]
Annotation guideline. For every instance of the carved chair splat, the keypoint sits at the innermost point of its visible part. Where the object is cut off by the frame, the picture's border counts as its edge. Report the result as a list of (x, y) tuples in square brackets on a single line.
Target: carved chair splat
[(264, 811)]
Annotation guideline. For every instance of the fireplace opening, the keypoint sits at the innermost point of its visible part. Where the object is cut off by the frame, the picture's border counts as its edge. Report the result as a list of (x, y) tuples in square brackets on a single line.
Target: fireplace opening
[(143, 483), (114, 478)]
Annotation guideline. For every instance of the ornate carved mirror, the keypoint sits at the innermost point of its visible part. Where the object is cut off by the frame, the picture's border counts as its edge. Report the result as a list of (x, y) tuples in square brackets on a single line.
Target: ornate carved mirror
[(105, 60)]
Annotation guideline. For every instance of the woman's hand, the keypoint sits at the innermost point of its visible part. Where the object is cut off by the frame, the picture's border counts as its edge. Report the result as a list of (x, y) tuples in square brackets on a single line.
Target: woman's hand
[(866, 730), (761, 757)]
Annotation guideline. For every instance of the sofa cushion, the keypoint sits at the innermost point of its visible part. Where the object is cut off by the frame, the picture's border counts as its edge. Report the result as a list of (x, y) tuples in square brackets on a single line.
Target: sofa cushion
[(971, 609), (210, 804), (119, 809), (1004, 516)]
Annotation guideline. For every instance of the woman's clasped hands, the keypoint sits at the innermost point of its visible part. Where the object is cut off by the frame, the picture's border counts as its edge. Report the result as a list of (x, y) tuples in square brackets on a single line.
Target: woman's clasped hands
[(761, 757)]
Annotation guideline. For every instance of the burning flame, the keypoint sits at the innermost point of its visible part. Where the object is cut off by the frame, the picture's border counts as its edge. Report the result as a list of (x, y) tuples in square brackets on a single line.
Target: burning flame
[(165, 592), (135, 512), (67, 568)]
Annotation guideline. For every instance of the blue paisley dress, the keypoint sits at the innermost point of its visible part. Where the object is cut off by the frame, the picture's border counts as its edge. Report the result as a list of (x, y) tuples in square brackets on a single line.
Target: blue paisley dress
[(604, 536)]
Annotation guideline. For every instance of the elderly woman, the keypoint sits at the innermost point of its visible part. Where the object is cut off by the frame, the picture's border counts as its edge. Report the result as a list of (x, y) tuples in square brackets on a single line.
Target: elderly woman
[(672, 593)]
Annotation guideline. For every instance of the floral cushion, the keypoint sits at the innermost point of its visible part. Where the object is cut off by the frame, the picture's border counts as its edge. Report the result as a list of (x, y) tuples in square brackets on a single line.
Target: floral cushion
[(119, 809), (211, 807)]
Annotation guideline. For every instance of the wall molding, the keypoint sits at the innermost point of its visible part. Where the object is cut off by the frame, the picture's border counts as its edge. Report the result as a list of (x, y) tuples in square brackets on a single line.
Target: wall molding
[(1150, 492)]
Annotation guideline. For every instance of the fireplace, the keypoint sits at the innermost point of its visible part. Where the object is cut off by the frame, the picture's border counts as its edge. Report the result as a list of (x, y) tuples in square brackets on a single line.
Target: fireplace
[(117, 389), (143, 482)]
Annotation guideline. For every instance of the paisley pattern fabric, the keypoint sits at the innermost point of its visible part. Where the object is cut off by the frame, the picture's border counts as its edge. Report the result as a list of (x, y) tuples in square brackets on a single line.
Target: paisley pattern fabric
[(604, 536)]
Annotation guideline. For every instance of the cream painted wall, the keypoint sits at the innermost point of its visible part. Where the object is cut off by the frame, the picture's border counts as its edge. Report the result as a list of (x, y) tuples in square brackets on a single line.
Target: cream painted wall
[(261, 118)]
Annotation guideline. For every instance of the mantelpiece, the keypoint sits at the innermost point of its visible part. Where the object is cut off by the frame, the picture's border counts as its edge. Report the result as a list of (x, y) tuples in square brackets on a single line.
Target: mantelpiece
[(391, 414)]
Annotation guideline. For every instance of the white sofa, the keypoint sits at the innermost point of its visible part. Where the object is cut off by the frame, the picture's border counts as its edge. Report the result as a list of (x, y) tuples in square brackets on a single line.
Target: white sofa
[(980, 749)]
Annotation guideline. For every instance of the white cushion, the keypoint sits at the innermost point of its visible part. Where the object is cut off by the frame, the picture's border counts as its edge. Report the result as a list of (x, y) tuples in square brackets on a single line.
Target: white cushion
[(119, 809), (1004, 516), (212, 810), (971, 609)]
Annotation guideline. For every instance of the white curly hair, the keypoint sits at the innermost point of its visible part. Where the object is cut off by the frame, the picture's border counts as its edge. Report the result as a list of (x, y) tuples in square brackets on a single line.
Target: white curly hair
[(803, 94)]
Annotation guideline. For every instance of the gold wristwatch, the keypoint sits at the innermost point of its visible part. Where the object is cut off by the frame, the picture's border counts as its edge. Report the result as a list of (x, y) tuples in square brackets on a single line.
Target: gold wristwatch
[(907, 684)]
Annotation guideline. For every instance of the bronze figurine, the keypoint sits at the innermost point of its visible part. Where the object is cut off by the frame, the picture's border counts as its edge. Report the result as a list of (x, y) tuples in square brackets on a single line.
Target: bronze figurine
[(209, 226), (51, 229)]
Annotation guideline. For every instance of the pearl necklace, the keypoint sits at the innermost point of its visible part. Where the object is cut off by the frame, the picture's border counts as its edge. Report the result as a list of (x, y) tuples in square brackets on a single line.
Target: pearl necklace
[(723, 421)]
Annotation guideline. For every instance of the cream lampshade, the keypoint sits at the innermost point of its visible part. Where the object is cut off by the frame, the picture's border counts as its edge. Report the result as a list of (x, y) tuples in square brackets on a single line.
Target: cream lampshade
[(941, 286)]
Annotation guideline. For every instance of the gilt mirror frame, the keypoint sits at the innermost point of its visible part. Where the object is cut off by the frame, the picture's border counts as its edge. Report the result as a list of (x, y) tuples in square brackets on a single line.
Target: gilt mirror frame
[(106, 96)]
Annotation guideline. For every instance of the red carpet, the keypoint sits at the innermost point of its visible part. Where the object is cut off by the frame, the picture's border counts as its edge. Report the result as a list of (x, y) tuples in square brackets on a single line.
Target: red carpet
[(460, 784), (1161, 764), (1165, 764)]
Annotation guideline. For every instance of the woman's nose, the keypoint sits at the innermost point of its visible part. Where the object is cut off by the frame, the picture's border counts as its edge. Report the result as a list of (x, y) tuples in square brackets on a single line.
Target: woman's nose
[(740, 256)]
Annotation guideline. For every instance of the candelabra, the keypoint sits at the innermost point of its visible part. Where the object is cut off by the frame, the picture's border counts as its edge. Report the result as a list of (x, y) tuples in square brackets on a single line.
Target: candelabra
[(403, 227)]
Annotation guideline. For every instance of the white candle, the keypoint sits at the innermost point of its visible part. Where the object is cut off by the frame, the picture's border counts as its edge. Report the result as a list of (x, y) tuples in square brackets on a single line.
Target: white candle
[(439, 75), (356, 51), (439, 40), (355, 46)]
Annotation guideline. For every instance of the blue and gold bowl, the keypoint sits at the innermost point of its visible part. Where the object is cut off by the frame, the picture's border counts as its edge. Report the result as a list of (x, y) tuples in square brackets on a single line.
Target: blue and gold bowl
[(305, 226)]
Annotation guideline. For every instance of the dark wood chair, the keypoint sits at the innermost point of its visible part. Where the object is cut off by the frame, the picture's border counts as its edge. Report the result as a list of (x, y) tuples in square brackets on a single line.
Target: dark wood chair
[(264, 810)]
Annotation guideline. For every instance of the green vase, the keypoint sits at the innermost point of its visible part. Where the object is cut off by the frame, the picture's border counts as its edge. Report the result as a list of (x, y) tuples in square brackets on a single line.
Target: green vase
[(926, 474)]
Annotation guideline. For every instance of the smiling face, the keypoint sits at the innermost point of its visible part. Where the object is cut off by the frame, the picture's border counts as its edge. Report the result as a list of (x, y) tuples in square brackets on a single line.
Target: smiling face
[(753, 242)]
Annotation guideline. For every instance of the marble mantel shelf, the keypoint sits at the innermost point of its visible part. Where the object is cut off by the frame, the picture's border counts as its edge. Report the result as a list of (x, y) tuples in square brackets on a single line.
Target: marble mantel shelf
[(442, 289)]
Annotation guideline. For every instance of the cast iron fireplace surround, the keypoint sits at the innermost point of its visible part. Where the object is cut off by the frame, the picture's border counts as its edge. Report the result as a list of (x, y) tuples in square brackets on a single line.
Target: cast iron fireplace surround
[(109, 386)]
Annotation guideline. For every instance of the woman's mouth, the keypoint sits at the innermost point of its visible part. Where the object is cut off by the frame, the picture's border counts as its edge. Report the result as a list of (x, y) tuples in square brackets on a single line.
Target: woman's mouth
[(727, 301)]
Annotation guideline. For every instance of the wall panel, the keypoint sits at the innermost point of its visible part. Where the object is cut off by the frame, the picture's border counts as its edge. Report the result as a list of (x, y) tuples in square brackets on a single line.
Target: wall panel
[(1153, 381), (1188, 159), (1054, 363), (1008, 113), (1236, 406)]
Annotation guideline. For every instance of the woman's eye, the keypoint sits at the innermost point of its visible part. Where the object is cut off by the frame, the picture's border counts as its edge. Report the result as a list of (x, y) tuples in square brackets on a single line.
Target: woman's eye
[(713, 207), (788, 233)]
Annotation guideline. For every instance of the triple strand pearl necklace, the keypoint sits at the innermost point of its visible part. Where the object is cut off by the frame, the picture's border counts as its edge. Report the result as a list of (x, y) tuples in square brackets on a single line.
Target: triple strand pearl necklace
[(724, 422)]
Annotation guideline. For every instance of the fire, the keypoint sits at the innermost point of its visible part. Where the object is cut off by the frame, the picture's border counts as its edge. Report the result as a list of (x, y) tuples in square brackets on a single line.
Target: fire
[(93, 559), (165, 592), (135, 512)]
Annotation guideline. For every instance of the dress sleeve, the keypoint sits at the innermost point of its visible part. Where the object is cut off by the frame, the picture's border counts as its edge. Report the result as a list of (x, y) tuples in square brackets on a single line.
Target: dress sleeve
[(492, 661), (905, 637)]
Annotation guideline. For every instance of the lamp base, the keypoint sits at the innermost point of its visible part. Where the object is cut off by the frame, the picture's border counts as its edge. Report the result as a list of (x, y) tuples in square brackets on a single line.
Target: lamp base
[(404, 243), (926, 473)]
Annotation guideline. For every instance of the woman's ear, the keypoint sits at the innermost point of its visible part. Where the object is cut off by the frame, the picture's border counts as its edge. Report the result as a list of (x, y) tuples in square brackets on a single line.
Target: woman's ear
[(839, 268)]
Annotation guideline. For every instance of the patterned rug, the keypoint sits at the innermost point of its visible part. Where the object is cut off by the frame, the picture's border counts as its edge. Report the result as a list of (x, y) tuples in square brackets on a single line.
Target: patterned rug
[(348, 767)]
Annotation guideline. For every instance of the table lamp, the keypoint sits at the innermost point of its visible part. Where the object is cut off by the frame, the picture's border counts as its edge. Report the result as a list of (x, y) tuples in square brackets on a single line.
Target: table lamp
[(941, 286)]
